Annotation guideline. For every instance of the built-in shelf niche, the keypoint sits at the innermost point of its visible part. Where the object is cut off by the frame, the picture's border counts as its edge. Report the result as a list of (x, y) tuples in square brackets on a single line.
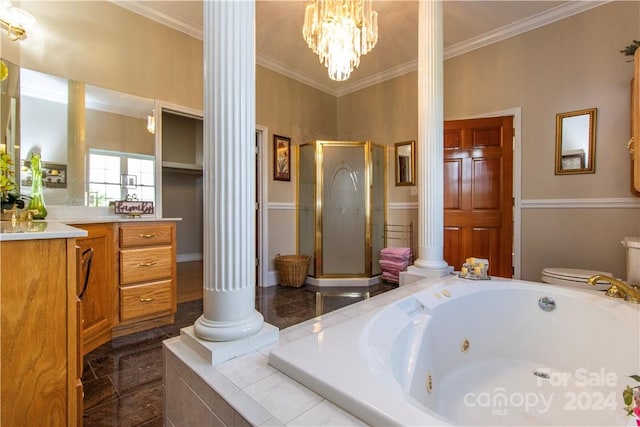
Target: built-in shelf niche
[(181, 139), (182, 135)]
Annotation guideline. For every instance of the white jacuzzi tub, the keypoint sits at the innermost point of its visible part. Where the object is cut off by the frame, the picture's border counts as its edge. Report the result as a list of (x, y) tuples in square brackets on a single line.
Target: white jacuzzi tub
[(477, 353)]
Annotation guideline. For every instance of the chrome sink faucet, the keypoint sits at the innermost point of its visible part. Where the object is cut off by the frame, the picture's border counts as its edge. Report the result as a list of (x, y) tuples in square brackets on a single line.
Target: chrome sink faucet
[(618, 288)]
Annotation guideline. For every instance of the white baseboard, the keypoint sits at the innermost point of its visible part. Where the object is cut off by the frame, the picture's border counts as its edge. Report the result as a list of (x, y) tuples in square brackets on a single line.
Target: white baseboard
[(270, 279), (344, 282), (188, 257)]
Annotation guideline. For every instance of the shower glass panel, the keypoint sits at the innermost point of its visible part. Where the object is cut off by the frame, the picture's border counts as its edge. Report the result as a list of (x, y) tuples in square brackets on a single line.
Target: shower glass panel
[(343, 210), (341, 207), (306, 204), (377, 206)]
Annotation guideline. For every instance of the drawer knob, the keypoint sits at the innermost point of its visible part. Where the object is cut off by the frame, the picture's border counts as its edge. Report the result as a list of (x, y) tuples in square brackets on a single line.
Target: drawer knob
[(148, 236), (147, 264), (150, 299)]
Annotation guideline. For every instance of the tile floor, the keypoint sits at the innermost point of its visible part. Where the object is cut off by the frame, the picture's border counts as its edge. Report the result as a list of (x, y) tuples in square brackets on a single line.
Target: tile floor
[(123, 378)]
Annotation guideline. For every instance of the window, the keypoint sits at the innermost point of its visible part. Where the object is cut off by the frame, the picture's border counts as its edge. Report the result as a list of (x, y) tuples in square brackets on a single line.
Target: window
[(114, 176)]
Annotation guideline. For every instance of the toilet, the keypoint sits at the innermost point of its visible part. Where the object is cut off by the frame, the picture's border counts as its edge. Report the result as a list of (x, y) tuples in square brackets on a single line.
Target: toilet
[(577, 278), (632, 245), (573, 277)]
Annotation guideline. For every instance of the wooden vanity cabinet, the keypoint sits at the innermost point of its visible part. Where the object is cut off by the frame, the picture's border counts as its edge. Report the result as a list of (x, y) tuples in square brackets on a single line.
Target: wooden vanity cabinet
[(147, 275), (40, 381), (99, 300)]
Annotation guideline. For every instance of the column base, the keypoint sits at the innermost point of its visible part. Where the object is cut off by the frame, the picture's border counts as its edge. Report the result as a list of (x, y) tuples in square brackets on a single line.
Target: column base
[(210, 330), (218, 352), (429, 272)]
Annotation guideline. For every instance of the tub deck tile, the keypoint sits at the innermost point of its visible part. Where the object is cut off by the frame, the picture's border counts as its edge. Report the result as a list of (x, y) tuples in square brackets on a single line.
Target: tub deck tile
[(267, 397)]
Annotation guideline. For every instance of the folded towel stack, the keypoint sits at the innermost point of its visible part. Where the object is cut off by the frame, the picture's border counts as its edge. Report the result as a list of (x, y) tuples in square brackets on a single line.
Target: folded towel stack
[(393, 261)]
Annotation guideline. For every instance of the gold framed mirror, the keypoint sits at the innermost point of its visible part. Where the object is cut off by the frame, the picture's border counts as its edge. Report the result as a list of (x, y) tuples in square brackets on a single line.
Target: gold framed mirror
[(576, 142), (405, 163)]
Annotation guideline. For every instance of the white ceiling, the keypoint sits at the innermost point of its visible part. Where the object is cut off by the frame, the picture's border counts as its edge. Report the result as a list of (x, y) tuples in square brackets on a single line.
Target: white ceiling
[(467, 25)]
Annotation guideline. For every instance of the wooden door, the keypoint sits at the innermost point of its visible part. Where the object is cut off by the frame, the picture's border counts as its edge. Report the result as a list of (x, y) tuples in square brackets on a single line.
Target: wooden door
[(478, 192), (98, 301)]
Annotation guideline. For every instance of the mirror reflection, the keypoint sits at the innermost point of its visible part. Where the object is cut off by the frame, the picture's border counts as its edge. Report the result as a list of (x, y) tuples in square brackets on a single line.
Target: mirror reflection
[(405, 163), (95, 143), (575, 142)]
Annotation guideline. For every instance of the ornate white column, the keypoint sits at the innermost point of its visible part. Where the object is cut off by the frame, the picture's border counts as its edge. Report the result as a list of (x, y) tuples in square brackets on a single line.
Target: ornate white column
[(229, 173), (430, 262)]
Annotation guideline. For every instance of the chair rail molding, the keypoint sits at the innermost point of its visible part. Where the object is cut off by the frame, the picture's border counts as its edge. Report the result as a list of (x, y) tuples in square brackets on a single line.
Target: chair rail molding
[(590, 203)]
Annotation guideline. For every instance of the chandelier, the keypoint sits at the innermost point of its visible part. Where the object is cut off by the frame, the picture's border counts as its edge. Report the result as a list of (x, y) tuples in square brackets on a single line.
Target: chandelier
[(15, 20), (339, 32)]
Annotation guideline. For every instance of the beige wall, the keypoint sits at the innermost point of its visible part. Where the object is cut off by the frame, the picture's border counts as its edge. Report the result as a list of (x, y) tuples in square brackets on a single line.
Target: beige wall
[(291, 109), (105, 45), (572, 64), (569, 65), (386, 114), (123, 51), (294, 110)]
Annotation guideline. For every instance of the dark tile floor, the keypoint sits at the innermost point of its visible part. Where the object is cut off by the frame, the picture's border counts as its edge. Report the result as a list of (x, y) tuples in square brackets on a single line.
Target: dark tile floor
[(123, 378)]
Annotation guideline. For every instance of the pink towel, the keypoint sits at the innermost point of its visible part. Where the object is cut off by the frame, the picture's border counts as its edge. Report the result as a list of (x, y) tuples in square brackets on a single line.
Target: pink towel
[(390, 265), (396, 254), (390, 277)]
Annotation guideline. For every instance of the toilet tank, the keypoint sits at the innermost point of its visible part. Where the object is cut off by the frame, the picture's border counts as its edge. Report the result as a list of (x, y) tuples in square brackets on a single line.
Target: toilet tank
[(632, 245)]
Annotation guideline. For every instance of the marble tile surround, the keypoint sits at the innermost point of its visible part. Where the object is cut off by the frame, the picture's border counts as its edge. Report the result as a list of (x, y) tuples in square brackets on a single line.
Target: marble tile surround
[(246, 390)]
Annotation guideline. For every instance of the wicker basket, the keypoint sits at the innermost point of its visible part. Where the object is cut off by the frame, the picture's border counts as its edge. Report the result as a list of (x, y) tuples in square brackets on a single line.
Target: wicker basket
[(292, 269)]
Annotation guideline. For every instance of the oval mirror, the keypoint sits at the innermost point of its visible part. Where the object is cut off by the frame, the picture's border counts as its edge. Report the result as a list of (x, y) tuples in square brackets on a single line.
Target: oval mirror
[(576, 142)]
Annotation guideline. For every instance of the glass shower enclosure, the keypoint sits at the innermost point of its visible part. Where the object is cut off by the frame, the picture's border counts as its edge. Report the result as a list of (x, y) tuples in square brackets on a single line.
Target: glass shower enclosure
[(341, 204)]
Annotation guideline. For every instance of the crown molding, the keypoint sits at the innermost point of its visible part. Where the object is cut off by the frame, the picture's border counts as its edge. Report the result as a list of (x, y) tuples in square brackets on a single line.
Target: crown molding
[(389, 74), (283, 69), (142, 8), (531, 23)]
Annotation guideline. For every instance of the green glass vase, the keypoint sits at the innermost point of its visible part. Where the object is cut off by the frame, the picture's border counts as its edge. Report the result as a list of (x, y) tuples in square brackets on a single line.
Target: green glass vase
[(37, 198)]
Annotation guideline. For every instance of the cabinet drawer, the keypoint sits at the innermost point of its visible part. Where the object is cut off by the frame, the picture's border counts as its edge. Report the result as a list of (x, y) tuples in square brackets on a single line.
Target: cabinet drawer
[(145, 300), (145, 235), (140, 265)]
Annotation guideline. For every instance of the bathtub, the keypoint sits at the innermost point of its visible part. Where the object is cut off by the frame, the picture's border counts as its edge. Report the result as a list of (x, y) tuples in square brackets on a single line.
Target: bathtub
[(460, 352)]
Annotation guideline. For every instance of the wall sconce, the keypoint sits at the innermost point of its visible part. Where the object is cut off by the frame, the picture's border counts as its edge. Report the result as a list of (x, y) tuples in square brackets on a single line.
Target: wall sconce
[(151, 123), (15, 21)]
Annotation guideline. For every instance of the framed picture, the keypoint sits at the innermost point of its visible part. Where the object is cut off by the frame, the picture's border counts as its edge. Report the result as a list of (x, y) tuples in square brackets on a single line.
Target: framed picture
[(281, 158), (54, 175), (128, 181)]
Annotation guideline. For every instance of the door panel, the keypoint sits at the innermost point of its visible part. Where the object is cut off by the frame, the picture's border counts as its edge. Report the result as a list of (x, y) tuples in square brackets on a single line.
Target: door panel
[(485, 184), (98, 301), (453, 184), (478, 191), (453, 246)]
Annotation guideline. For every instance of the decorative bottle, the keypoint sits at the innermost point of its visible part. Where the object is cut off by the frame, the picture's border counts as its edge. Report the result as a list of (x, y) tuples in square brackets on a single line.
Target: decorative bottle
[(37, 198)]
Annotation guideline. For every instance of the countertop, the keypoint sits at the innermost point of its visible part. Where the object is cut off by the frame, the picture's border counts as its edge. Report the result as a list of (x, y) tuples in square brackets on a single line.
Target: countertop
[(105, 219), (34, 230), (61, 228)]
